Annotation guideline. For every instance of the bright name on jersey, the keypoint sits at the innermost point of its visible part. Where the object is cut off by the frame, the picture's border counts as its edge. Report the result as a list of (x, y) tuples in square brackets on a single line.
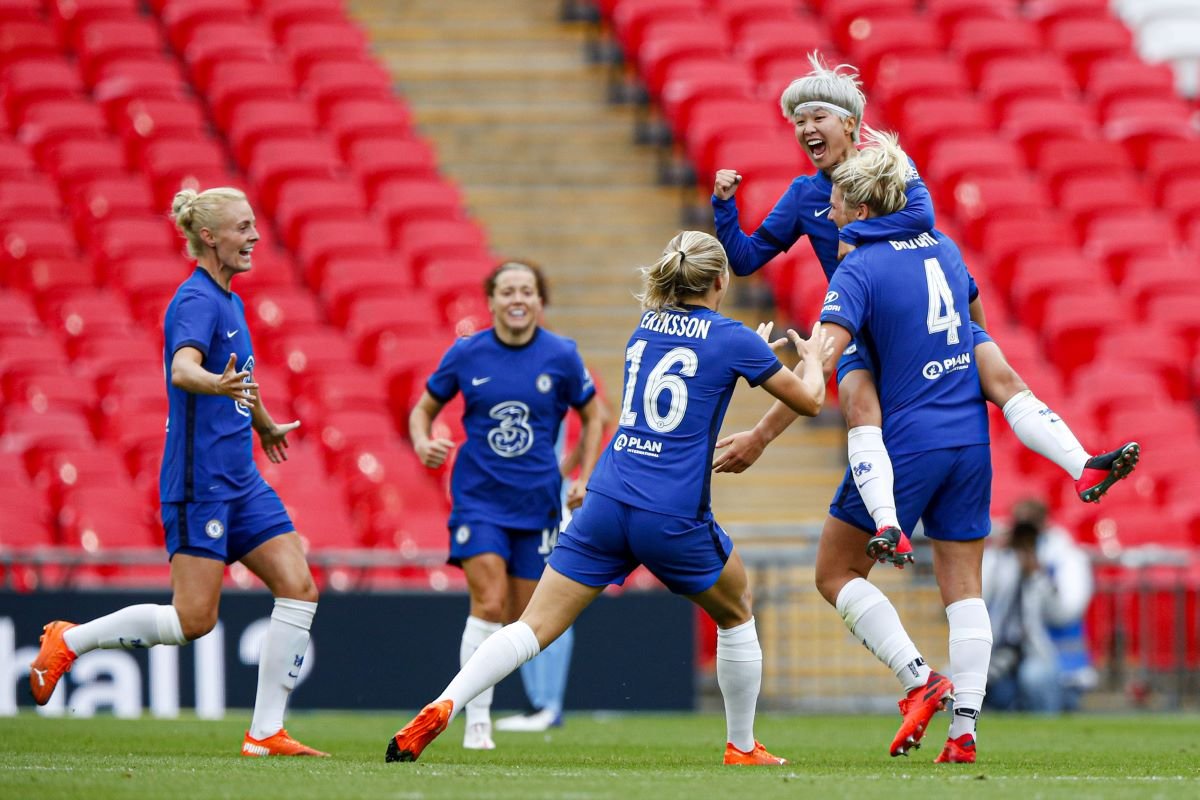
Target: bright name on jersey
[(924, 240), (676, 324)]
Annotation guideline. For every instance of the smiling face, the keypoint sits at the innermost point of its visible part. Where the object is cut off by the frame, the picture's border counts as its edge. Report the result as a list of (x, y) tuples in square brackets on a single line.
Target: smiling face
[(515, 304), (826, 137), (234, 238)]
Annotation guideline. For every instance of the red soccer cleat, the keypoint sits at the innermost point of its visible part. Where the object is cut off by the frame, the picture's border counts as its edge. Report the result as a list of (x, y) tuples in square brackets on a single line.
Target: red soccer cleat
[(758, 757), (958, 751), (890, 546), (277, 744), (1102, 471), (54, 660), (918, 707), (414, 737)]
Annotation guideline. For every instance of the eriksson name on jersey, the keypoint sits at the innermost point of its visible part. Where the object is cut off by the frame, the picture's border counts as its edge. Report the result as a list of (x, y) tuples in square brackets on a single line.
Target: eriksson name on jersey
[(924, 240), (675, 324)]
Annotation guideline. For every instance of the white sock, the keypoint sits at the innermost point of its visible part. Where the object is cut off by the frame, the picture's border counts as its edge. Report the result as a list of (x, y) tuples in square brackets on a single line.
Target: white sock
[(872, 618), (1044, 432), (493, 660), (474, 634), (871, 467), (739, 674), (970, 652), (279, 663), (131, 628)]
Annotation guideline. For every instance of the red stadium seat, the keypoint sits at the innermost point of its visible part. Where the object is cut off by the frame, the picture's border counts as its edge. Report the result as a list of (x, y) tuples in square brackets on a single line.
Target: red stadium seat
[(275, 160), (347, 431), (737, 13), (979, 40), (182, 18), (142, 120), (21, 39), (69, 16), (318, 350), (631, 17), (1081, 41), (948, 13), (1037, 278), (26, 524), (1127, 77), (399, 202), (1146, 277), (29, 196), (30, 352), (674, 42), (34, 79), (1005, 79), (61, 472), (1117, 235), (252, 121), (372, 319), (349, 279), (353, 387), (26, 240), (1061, 159), (123, 237), (1033, 122), (901, 78), (1073, 321), (374, 159), (281, 308), (15, 160), (215, 42), (322, 240), (1171, 156), (851, 19), (105, 198), (56, 389), (353, 119), (282, 14), (1169, 357), (21, 10), (758, 42), (1007, 240), (422, 240), (923, 121), (24, 429), (329, 82), (234, 82), (105, 40), (76, 160), (100, 519), (17, 315), (304, 200), (123, 392), (1085, 196), (690, 82), (953, 157), (873, 37), (714, 121), (44, 123)]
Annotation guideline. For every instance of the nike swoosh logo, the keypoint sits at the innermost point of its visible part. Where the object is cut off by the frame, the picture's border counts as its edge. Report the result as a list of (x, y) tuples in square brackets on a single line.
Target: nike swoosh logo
[(230, 334), (822, 212), (479, 381), (40, 673)]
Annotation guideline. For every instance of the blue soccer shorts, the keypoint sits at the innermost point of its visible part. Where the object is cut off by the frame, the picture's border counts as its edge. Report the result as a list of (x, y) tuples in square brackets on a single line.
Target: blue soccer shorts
[(608, 539), (852, 358), (225, 530), (523, 550), (949, 490)]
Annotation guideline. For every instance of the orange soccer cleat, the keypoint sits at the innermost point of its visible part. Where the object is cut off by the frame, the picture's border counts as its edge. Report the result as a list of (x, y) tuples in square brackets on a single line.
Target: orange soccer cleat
[(918, 707), (958, 751), (758, 757), (1102, 471), (277, 744), (414, 737), (53, 661)]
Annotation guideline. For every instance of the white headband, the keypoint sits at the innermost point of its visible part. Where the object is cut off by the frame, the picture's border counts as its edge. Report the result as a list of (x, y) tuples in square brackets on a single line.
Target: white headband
[(821, 104)]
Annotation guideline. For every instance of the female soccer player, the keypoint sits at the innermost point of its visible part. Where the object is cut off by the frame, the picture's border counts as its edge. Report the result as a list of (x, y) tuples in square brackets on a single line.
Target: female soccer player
[(216, 507), (518, 381), (648, 500), (885, 298), (826, 107)]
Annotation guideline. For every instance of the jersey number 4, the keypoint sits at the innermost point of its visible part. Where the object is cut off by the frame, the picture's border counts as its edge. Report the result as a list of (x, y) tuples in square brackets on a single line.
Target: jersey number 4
[(658, 381), (942, 316)]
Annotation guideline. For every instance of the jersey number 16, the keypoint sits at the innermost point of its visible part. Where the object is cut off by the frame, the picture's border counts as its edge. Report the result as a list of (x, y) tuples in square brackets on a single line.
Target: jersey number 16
[(658, 381)]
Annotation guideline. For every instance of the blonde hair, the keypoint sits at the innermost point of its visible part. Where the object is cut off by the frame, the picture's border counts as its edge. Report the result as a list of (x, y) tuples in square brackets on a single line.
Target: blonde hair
[(193, 211), (689, 265), (877, 177), (830, 85)]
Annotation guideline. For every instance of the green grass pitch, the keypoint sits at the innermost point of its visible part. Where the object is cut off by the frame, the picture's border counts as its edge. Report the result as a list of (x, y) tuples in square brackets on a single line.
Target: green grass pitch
[(662, 757)]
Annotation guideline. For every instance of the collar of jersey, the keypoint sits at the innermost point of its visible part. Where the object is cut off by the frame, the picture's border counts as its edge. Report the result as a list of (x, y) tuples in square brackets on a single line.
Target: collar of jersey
[(536, 332), (211, 280)]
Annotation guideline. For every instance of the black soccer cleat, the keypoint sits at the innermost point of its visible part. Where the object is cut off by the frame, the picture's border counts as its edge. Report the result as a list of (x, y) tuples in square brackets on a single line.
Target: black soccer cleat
[(1102, 471), (890, 546)]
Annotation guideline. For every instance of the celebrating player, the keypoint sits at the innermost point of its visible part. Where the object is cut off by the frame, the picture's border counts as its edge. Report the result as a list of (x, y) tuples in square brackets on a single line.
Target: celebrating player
[(648, 500), (826, 107), (518, 380), (216, 507), (902, 307)]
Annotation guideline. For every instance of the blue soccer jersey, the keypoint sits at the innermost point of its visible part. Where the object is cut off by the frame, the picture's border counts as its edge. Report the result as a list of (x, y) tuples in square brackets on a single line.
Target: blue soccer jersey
[(803, 210), (507, 473), (905, 302), (209, 453), (680, 372)]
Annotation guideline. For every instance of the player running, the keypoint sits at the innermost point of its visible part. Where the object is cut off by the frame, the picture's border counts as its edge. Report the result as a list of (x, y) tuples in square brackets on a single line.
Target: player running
[(648, 501), (216, 507)]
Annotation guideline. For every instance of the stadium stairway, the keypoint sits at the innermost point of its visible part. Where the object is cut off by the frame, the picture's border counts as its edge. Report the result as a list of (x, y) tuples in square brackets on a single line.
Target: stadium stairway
[(521, 120)]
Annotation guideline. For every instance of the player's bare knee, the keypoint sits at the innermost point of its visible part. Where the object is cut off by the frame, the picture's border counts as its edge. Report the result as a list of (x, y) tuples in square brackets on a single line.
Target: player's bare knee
[(196, 622), (489, 608)]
